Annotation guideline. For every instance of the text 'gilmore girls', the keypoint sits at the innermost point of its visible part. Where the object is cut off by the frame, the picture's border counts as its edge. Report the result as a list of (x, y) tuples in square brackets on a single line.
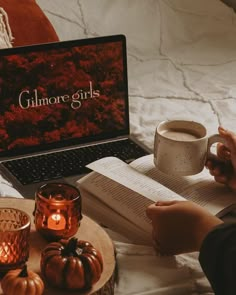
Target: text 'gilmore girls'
[(30, 99)]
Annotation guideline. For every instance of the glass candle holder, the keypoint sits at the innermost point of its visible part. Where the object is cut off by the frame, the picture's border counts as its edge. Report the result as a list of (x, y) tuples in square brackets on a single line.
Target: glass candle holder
[(14, 238), (57, 212)]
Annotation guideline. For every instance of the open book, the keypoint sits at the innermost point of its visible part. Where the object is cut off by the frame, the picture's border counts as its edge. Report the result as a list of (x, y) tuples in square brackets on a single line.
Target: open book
[(116, 194)]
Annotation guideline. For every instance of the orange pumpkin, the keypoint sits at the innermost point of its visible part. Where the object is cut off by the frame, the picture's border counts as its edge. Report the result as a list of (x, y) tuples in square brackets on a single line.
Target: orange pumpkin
[(22, 281), (71, 264)]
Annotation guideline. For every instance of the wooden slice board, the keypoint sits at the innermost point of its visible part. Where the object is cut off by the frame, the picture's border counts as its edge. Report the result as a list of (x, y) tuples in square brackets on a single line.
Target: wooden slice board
[(89, 231)]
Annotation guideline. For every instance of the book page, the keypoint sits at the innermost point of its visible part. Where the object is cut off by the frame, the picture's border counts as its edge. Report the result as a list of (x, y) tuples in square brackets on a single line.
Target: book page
[(125, 190), (109, 218), (129, 177), (126, 202), (200, 188)]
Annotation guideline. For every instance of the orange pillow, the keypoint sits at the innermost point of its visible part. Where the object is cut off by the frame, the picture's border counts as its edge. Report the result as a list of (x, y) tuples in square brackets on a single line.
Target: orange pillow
[(28, 23)]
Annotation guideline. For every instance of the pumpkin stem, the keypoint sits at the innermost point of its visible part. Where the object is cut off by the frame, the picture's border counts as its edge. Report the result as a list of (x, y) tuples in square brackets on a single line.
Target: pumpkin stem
[(71, 247), (24, 272)]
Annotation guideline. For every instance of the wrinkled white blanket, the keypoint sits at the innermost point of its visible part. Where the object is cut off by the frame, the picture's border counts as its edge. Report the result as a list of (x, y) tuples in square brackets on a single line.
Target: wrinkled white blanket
[(141, 271), (181, 64), (5, 30)]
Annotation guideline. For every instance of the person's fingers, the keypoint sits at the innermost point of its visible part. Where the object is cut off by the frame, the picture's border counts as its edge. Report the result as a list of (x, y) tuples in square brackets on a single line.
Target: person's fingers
[(215, 165), (215, 171), (220, 168), (230, 138), (155, 208), (209, 164), (223, 152), (221, 179), (166, 203), (151, 211)]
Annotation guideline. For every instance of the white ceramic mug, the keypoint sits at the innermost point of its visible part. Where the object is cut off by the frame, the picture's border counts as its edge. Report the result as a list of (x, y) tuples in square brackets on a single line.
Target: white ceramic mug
[(182, 147)]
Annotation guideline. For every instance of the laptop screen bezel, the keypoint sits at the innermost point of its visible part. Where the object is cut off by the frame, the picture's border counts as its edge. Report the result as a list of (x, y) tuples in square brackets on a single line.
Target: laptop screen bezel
[(75, 141)]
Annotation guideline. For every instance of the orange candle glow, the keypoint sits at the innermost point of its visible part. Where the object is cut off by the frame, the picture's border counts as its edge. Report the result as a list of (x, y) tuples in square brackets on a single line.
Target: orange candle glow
[(14, 239), (5, 253), (56, 221), (57, 212)]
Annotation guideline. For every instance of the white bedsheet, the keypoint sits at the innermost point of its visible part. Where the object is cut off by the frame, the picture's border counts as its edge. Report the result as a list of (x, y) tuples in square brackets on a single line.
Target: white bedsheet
[(141, 271), (181, 64)]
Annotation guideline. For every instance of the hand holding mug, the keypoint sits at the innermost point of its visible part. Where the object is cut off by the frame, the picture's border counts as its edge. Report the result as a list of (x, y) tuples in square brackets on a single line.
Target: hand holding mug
[(223, 167), (182, 147)]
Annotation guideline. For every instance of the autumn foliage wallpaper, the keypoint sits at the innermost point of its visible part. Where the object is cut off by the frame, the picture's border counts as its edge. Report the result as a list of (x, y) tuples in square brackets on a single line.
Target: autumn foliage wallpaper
[(61, 94)]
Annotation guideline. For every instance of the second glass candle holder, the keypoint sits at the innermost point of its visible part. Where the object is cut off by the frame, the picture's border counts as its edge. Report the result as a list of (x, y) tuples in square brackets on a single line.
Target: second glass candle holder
[(57, 212), (14, 238)]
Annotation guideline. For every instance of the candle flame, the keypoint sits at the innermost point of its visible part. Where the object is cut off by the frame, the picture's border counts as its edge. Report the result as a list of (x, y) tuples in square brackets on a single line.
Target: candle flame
[(56, 221), (56, 217)]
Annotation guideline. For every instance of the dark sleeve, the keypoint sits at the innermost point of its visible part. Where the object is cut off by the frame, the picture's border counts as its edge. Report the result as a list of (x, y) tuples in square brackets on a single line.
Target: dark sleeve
[(218, 259)]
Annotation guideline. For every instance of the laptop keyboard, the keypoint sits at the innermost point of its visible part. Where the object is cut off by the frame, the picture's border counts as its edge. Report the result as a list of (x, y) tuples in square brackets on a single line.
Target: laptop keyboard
[(70, 162)]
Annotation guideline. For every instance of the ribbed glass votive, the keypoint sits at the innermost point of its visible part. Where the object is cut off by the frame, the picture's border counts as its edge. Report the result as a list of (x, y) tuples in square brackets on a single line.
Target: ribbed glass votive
[(57, 211), (14, 238)]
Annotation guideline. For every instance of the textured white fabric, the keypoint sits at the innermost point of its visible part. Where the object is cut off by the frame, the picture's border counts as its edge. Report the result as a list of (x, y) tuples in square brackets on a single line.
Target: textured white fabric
[(5, 30), (141, 271)]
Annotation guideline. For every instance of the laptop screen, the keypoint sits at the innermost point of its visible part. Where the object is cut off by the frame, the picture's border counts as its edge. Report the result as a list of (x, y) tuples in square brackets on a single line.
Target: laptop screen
[(58, 94)]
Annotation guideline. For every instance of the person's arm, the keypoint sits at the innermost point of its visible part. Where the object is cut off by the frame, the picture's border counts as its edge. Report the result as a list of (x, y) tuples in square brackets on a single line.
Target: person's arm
[(218, 258)]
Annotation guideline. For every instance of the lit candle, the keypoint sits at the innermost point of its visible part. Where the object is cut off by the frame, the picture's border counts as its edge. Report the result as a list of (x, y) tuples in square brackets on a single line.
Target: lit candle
[(56, 221), (57, 211), (5, 253)]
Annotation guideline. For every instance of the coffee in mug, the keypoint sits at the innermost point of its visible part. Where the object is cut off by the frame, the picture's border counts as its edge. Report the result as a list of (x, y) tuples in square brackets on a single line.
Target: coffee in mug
[(181, 135), (181, 147)]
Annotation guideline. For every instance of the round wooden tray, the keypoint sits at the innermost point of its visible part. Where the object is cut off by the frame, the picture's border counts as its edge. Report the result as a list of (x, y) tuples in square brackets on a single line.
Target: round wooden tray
[(89, 231)]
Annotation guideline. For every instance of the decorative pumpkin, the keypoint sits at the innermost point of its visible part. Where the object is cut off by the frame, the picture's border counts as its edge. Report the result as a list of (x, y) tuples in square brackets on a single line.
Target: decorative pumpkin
[(71, 264), (22, 282)]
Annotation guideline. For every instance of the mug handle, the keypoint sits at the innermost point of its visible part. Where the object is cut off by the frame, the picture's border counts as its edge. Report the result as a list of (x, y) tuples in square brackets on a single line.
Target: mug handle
[(155, 144), (211, 140)]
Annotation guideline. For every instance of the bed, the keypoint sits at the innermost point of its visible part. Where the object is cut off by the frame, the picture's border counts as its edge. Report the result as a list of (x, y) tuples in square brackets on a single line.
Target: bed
[(181, 64)]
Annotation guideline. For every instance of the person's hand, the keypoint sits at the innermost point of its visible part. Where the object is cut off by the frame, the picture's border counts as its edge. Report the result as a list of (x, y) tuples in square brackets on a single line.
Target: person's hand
[(223, 168), (179, 226)]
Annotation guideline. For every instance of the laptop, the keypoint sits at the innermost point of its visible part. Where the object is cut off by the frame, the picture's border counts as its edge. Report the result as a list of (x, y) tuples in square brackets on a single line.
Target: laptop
[(62, 106)]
